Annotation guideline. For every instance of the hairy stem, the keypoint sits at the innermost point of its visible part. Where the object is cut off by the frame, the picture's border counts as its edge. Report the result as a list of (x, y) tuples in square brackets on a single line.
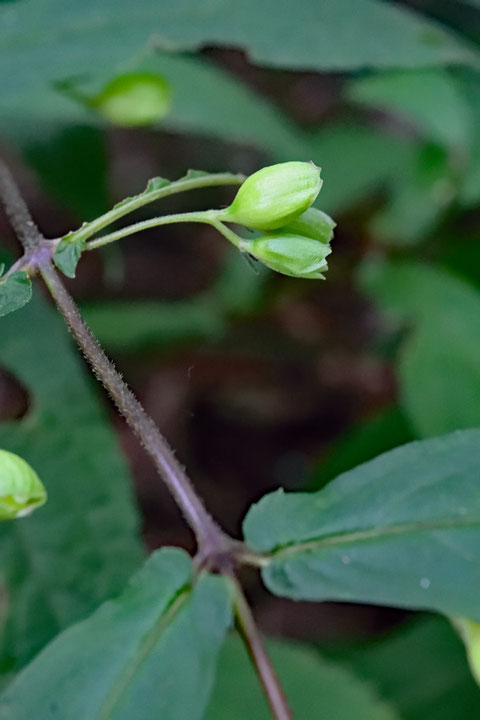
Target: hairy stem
[(208, 217), (17, 211), (133, 203), (256, 649), (209, 535), (198, 217)]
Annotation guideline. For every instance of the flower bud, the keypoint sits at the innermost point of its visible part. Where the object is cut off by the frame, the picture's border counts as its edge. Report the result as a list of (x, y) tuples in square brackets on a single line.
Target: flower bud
[(312, 223), (275, 195), (293, 255), (20, 488), (134, 99)]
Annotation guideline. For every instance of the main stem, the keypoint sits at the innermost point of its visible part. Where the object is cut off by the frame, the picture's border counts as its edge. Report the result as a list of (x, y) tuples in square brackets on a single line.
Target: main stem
[(209, 535), (213, 543)]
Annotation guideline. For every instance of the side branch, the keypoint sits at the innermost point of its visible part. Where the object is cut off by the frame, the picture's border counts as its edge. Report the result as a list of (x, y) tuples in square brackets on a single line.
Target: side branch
[(17, 211), (262, 663)]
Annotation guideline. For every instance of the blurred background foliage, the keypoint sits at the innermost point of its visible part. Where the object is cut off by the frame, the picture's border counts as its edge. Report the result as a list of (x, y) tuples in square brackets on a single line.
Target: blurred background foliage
[(258, 381)]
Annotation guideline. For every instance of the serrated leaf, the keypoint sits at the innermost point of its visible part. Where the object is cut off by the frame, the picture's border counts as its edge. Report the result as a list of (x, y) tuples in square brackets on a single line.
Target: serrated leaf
[(15, 292), (333, 35), (83, 545), (420, 669), (158, 643), (437, 364), (401, 530), (21, 490), (315, 688), (67, 255)]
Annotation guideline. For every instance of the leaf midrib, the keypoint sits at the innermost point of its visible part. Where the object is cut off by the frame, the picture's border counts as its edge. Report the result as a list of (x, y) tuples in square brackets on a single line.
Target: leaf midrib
[(143, 651), (359, 536)]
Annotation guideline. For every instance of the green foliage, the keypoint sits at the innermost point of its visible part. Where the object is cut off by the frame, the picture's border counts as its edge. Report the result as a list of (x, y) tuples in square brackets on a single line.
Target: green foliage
[(398, 142), (400, 530), (415, 96), (82, 546), (15, 292), (438, 362), (150, 653), (420, 669), (315, 688), (329, 36)]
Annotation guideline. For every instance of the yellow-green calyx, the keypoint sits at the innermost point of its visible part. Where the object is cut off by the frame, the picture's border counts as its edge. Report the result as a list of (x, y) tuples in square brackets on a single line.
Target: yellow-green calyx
[(312, 223), (21, 490), (294, 255), (274, 196)]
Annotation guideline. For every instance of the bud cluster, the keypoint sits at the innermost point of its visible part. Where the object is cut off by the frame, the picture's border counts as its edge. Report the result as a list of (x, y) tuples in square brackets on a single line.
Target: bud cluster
[(277, 200)]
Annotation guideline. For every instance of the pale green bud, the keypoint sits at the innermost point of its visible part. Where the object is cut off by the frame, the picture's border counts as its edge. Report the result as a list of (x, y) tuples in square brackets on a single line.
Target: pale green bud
[(275, 195), (134, 99), (20, 488), (470, 633), (293, 255), (312, 223)]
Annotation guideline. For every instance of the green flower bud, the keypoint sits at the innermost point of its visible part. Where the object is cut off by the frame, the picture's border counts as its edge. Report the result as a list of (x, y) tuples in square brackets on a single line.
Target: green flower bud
[(275, 195), (293, 255), (312, 223), (134, 99), (20, 488)]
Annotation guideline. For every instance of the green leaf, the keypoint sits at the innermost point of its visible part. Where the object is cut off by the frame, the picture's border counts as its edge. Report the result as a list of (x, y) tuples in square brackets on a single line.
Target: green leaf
[(401, 530), (385, 431), (357, 160), (314, 687), (438, 364), (431, 100), (149, 654), (419, 198), (83, 545), (62, 39), (67, 255), (421, 669), (21, 490), (15, 292)]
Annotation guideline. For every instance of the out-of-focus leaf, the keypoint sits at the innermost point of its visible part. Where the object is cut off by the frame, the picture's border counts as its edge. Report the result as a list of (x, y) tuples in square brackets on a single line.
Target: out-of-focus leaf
[(140, 324), (400, 530), (357, 160), (61, 39), (438, 365), (21, 490), (376, 435), (15, 292), (71, 163), (149, 654), (420, 669), (316, 689), (418, 198), (431, 100), (80, 549)]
